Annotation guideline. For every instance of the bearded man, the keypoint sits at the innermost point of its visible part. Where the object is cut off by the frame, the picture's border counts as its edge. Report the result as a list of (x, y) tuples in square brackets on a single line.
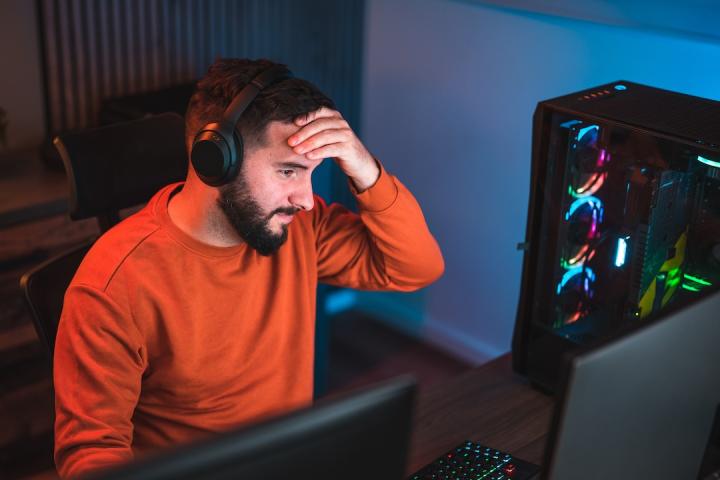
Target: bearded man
[(197, 314)]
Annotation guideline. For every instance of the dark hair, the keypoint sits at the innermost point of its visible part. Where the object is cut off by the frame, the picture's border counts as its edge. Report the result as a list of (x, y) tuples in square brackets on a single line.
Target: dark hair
[(282, 101)]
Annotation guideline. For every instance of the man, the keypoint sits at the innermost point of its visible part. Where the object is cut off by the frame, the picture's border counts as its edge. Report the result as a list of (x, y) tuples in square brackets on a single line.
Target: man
[(197, 313)]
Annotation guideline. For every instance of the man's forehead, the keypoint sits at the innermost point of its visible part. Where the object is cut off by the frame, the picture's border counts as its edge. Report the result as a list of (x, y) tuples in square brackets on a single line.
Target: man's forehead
[(277, 129), (278, 151)]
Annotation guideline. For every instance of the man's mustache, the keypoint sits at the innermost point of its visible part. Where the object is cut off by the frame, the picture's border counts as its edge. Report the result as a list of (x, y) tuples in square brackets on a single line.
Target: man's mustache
[(284, 210)]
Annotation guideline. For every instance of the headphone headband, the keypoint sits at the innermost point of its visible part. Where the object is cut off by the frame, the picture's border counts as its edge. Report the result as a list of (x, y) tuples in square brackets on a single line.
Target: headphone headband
[(242, 100)]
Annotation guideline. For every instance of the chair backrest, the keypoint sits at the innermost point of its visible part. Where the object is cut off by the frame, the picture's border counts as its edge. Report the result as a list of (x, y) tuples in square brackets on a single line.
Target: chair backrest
[(109, 169), (44, 287), (122, 165)]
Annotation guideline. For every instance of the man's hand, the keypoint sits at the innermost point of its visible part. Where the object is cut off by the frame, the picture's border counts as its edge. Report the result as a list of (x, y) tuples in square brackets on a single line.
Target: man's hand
[(325, 133)]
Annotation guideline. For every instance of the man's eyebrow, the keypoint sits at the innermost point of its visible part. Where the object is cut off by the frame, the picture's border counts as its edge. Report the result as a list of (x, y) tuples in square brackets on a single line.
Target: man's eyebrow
[(291, 165)]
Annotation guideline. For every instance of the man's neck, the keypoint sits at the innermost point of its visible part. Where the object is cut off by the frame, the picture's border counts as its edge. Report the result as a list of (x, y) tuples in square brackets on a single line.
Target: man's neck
[(195, 212)]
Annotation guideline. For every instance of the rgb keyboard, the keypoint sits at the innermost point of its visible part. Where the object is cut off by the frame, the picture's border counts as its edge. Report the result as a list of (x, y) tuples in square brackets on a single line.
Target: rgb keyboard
[(471, 460)]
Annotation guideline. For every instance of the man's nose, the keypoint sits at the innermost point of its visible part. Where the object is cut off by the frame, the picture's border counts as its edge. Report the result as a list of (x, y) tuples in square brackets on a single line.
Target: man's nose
[(302, 197)]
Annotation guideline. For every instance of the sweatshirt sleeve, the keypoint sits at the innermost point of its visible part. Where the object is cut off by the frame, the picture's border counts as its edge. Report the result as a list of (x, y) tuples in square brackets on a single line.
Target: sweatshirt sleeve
[(98, 365), (386, 247)]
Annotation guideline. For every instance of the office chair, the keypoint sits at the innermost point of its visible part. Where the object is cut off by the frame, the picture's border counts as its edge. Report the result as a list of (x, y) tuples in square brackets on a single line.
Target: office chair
[(44, 288), (122, 165), (108, 169)]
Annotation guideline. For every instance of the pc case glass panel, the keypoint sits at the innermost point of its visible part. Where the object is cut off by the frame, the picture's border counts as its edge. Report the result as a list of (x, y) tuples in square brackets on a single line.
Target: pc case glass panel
[(630, 223)]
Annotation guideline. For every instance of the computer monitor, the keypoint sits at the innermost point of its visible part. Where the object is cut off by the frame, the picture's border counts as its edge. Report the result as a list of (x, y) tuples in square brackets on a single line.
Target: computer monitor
[(642, 405), (357, 436)]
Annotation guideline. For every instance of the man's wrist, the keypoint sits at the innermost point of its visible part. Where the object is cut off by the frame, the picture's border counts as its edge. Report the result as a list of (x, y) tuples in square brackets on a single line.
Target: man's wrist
[(367, 178)]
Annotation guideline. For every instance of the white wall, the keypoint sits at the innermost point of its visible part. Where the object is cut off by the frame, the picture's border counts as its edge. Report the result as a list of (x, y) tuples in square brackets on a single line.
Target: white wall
[(21, 94), (448, 96)]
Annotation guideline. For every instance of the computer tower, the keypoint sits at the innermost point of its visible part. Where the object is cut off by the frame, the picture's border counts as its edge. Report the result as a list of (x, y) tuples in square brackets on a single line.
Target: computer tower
[(623, 217)]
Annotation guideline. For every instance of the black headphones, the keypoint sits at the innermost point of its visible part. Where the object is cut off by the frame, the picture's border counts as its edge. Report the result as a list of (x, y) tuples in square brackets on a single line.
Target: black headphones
[(217, 150)]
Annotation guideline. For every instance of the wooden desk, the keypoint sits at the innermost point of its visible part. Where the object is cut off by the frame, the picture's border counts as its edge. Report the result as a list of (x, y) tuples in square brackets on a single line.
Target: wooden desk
[(490, 405)]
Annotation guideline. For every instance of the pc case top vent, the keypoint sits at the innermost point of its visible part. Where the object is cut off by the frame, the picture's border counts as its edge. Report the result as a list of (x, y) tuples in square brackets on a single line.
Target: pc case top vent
[(692, 120)]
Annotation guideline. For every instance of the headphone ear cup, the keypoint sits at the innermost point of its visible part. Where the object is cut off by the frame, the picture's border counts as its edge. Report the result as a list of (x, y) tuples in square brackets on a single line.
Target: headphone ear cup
[(214, 155)]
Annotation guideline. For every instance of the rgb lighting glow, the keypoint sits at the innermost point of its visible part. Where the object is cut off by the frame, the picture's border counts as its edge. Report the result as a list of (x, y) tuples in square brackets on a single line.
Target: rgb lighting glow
[(621, 253), (579, 259), (581, 253), (674, 277), (577, 280), (570, 123), (589, 277), (591, 186), (574, 318), (583, 131), (596, 213), (699, 280), (602, 157), (709, 162), (594, 202)]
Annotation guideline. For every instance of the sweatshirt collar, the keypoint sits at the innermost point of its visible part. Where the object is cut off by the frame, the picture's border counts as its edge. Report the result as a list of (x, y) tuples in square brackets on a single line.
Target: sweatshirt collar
[(166, 223)]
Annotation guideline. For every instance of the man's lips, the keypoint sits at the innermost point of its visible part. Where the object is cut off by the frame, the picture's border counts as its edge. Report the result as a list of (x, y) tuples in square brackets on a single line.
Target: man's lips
[(285, 217)]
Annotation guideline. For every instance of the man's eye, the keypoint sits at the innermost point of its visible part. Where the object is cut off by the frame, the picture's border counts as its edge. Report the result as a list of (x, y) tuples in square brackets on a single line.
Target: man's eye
[(287, 173)]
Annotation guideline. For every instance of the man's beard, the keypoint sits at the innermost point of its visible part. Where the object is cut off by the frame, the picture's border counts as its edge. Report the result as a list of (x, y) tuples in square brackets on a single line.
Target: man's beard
[(248, 220)]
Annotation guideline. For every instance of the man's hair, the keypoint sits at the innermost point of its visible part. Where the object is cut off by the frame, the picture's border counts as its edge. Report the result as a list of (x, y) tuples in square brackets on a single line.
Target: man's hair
[(281, 101)]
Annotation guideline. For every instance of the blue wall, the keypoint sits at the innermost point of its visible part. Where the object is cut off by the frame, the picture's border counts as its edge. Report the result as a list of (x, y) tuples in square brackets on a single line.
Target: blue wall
[(449, 90)]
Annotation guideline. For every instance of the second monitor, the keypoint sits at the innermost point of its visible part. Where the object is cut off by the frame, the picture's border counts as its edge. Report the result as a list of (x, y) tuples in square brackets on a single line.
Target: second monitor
[(642, 405)]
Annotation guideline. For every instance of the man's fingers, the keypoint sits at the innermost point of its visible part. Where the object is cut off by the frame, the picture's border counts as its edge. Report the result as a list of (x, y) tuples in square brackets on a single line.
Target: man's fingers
[(327, 151), (328, 123), (322, 112), (324, 137)]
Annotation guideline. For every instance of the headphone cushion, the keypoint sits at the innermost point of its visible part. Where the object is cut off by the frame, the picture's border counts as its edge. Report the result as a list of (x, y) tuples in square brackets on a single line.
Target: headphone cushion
[(213, 157)]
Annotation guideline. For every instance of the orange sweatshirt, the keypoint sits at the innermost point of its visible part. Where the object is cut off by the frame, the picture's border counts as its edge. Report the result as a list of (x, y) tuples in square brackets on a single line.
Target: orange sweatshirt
[(164, 339)]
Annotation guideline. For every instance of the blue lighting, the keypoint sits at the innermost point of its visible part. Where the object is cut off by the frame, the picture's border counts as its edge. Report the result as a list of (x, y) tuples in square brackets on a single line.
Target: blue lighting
[(583, 131), (621, 254), (707, 161), (593, 201), (339, 301), (576, 271), (620, 87), (566, 278), (570, 123)]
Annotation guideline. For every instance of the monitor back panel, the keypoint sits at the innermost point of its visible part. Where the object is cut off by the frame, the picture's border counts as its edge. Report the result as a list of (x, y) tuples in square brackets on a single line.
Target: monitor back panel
[(359, 435), (643, 405)]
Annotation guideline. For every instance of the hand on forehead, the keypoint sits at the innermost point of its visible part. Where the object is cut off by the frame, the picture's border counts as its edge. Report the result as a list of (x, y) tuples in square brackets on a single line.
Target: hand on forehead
[(324, 133), (319, 129)]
